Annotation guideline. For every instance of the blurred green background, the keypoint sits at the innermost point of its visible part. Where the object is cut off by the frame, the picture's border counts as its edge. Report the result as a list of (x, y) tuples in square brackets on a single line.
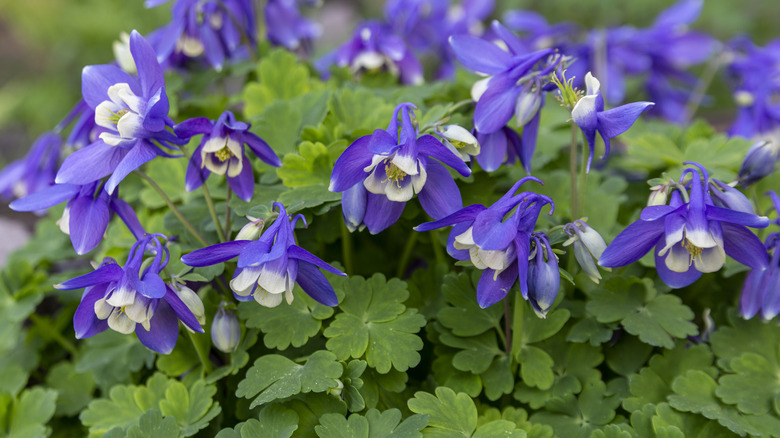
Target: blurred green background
[(45, 43)]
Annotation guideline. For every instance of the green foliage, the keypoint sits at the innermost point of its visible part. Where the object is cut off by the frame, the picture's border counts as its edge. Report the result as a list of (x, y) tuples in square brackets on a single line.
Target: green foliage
[(26, 416), (375, 323), (374, 424)]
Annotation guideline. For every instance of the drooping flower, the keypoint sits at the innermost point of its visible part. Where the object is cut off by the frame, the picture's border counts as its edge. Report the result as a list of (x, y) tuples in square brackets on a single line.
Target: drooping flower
[(374, 47), (502, 147), (214, 30), (760, 161), (286, 27), (589, 115), (133, 113), (379, 173), (132, 298), (761, 290), (544, 279), (269, 267), (691, 235), (35, 171), (222, 151), (588, 246), (498, 244), (88, 211)]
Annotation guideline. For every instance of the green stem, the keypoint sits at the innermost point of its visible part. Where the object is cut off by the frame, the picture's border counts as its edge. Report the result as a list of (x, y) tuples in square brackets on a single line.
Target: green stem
[(517, 324), (213, 213), (47, 329), (346, 249), (573, 170), (203, 354), (437, 252), (507, 336), (701, 88), (227, 212), (172, 206), (583, 180), (406, 255)]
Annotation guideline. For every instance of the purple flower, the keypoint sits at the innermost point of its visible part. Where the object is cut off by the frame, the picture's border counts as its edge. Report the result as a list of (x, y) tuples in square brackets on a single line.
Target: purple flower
[(500, 245), (502, 147), (753, 74), (132, 298), (761, 290), (286, 26), (35, 171), (544, 279), (222, 151), (378, 173), (87, 213), (134, 115), (590, 116), (375, 47), (225, 330), (537, 33), (269, 267), (760, 161), (216, 30), (691, 235)]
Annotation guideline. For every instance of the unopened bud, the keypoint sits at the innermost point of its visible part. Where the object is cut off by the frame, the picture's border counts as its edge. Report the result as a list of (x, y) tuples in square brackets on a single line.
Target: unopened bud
[(759, 162), (729, 197), (528, 105), (191, 300), (462, 141), (588, 247), (659, 195), (225, 330), (544, 278), (252, 230)]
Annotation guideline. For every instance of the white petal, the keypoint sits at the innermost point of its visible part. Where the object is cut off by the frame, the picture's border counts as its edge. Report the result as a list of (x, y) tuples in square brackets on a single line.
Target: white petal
[(64, 222), (106, 114), (235, 166), (475, 259), (407, 163), (102, 309), (678, 259), (137, 311), (584, 109), (479, 88), (710, 259), (242, 284), (418, 181), (130, 125), (119, 321), (399, 192), (593, 242), (189, 46), (465, 240), (267, 299), (288, 296), (701, 238), (214, 144), (121, 297), (592, 84), (459, 133), (376, 159), (192, 301), (376, 182), (272, 280)]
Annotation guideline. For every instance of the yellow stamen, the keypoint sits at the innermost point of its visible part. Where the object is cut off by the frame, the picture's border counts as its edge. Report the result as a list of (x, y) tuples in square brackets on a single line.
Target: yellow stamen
[(224, 154), (693, 250), (394, 174)]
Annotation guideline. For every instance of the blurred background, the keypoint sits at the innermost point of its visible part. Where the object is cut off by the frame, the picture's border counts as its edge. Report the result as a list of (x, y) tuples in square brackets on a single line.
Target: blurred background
[(45, 43)]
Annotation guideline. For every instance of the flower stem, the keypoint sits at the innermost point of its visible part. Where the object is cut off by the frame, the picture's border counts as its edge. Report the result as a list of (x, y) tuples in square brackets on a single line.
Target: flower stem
[(583, 180), (213, 213), (47, 329), (346, 249), (172, 206), (694, 102), (573, 170), (507, 327), (517, 324), (406, 255), (227, 213), (437, 252), (202, 352)]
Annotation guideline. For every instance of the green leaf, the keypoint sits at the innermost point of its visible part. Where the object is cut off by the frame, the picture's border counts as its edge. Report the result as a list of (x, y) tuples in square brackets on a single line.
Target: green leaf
[(152, 424), (374, 425), (308, 197), (287, 324), (280, 126), (464, 317), (27, 415), (281, 76), (614, 431), (273, 377), (579, 417), (360, 111), (535, 364), (112, 357), (536, 367), (312, 164), (745, 336), (502, 428), (376, 385), (449, 414), (193, 408), (656, 319), (352, 384), (754, 386), (275, 421), (310, 408), (519, 417), (375, 323), (74, 390)]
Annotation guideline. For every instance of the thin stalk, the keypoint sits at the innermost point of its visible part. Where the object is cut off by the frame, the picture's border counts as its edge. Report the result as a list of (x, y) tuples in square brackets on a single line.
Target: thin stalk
[(583, 179), (203, 354), (437, 252), (172, 206), (507, 327), (573, 170), (517, 324), (227, 212), (701, 88), (346, 249), (48, 330), (406, 255), (213, 213)]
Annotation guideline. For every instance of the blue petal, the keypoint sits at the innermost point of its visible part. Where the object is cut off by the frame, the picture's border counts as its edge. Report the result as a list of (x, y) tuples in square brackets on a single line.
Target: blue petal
[(192, 127), (655, 212), (753, 292), (301, 254), (163, 330), (262, 149), (128, 216), (244, 183), (90, 164), (85, 323), (513, 43), (214, 254), (183, 312), (497, 105), (432, 147), (96, 79), (527, 145), (523, 247), (46, 198), (480, 55), (492, 150), (107, 273), (196, 171), (632, 243), (492, 232), (153, 286), (381, 142), (138, 155), (462, 215), (311, 280), (490, 290), (770, 306), (353, 206), (681, 13), (673, 279), (439, 196), (736, 217), (381, 212), (617, 120), (88, 221), (743, 246), (348, 169)]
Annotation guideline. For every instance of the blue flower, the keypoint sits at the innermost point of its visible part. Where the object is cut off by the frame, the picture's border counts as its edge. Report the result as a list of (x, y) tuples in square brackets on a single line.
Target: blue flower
[(35, 171), (501, 245), (590, 116), (761, 290), (87, 213), (222, 151), (133, 113), (216, 30), (225, 330), (760, 161), (691, 235), (269, 267), (132, 298), (378, 173), (374, 47), (544, 279), (753, 76), (286, 27)]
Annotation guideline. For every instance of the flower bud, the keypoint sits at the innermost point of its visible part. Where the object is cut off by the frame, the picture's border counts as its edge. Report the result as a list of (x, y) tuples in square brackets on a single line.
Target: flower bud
[(528, 105), (588, 247), (336, 390), (191, 300), (658, 195), (544, 279), (252, 230), (460, 141), (122, 53), (225, 330), (353, 207), (730, 197), (759, 162)]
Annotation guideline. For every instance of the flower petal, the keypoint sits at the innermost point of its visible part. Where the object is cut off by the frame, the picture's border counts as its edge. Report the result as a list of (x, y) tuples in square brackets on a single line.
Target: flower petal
[(96, 79), (431, 146), (743, 246), (348, 169), (305, 256), (85, 323), (163, 330), (497, 105), (138, 155), (617, 120), (149, 71), (261, 149), (632, 243), (106, 273), (182, 311), (673, 279), (479, 55), (214, 254), (440, 196), (46, 198), (314, 283), (90, 164), (736, 217), (493, 288), (381, 213), (462, 215), (88, 221)]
